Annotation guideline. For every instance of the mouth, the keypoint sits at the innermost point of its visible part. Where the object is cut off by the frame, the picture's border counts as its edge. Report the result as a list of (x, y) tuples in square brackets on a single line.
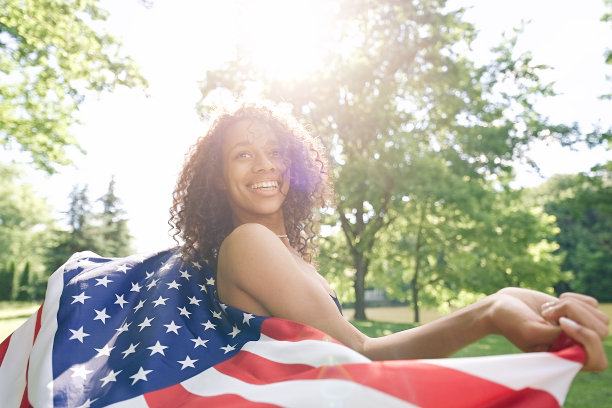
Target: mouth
[(268, 185)]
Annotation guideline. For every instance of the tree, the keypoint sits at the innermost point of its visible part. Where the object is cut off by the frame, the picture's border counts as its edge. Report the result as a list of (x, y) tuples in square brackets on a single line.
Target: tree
[(52, 53), (395, 97), (113, 224)]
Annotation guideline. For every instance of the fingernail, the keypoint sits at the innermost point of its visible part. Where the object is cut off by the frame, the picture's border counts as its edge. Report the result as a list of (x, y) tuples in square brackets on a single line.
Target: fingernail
[(568, 321), (548, 305)]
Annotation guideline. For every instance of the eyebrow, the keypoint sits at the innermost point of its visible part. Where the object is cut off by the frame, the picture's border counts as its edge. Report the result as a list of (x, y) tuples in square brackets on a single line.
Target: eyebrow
[(244, 143)]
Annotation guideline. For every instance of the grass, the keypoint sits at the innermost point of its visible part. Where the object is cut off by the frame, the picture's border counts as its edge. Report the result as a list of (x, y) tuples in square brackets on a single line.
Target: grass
[(589, 390)]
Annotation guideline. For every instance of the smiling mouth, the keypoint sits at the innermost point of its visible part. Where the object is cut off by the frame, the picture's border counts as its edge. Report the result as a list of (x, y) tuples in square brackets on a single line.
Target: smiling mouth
[(265, 185)]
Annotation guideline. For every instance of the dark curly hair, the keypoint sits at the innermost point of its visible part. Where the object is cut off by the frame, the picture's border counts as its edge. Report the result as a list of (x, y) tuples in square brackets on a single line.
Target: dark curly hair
[(200, 214)]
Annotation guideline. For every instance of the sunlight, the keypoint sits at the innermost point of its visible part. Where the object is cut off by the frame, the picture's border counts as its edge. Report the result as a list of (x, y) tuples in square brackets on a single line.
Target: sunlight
[(287, 39)]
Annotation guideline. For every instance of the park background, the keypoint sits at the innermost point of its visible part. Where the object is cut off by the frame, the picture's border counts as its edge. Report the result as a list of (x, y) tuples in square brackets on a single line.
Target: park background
[(471, 147)]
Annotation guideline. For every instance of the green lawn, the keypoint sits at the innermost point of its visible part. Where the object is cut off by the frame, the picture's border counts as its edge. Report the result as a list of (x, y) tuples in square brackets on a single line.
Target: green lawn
[(588, 389)]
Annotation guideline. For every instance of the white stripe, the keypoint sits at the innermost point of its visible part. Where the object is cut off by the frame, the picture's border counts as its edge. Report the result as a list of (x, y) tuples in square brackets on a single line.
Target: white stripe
[(541, 371), (41, 371), (13, 369), (314, 353), (294, 394)]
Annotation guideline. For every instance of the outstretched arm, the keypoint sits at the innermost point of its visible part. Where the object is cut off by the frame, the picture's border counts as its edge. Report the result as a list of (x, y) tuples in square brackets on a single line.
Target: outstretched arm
[(258, 274)]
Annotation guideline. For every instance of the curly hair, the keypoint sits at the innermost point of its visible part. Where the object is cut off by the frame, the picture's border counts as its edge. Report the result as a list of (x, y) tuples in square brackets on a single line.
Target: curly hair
[(200, 214)]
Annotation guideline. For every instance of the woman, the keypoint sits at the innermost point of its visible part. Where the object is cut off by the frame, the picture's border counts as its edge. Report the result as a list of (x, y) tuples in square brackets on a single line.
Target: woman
[(246, 202)]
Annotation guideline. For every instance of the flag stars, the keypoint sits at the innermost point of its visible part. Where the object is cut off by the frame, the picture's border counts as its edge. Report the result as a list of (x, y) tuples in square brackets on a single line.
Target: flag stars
[(140, 375), (197, 265), (157, 348), (149, 275), (165, 267), (103, 281), (139, 305), (152, 284), (227, 349), (210, 281), (145, 323), (203, 288), (124, 327), (87, 404), (216, 314), (194, 301), (80, 298), (78, 334), (172, 327), (101, 315), (185, 274), (135, 287), (199, 342), (183, 311), (247, 318), (234, 332), (110, 377), (187, 362), (130, 350), (160, 301), (80, 371), (173, 285), (120, 301), (208, 325), (123, 268), (104, 351)]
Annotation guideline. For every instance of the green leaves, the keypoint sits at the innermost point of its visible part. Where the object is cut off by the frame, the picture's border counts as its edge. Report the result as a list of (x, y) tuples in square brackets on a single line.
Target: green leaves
[(52, 53)]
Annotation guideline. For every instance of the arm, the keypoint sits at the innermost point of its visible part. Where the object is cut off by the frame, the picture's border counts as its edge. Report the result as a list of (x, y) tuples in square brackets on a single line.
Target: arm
[(257, 273)]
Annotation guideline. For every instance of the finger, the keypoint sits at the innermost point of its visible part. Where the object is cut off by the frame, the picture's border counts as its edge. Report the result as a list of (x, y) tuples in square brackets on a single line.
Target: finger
[(596, 356), (581, 313), (580, 297)]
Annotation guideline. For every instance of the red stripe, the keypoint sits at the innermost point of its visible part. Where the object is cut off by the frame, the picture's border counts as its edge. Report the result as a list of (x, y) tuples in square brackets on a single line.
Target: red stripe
[(3, 348), (178, 396), (412, 381), (25, 402), (287, 330)]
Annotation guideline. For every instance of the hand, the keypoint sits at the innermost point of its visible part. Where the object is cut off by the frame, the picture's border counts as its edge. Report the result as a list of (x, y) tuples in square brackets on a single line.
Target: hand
[(532, 321)]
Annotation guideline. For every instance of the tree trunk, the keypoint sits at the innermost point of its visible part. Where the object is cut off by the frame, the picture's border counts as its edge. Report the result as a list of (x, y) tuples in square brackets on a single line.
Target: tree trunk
[(361, 267), (414, 284)]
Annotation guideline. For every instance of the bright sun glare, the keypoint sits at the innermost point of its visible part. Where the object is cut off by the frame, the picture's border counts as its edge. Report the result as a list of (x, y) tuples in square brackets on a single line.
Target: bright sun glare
[(287, 39)]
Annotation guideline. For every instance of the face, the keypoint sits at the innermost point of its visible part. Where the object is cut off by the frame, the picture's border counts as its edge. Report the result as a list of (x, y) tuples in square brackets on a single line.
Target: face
[(255, 176)]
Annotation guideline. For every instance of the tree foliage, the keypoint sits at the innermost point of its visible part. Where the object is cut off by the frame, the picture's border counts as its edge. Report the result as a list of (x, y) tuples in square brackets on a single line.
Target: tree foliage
[(52, 52), (409, 119)]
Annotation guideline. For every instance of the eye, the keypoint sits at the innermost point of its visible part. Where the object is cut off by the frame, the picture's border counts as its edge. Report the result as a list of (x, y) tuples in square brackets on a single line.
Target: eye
[(243, 155)]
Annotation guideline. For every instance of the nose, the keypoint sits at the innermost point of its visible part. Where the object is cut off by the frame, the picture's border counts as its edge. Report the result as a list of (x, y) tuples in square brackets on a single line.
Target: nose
[(264, 163)]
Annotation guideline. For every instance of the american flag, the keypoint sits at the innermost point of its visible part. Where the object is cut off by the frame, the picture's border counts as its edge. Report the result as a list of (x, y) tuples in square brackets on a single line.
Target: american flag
[(149, 331)]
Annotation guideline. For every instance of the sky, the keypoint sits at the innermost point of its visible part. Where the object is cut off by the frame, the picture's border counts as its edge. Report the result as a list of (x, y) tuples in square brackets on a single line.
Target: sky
[(140, 138)]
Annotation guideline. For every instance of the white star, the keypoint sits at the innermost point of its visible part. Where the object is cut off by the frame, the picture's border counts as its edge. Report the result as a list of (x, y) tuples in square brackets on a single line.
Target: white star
[(160, 301), (184, 311), (80, 298), (227, 349), (103, 281), (157, 348), (197, 265), (247, 318), (234, 332), (149, 274), (208, 325), (203, 288), (223, 306), (139, 305), (199, 342), (210, 281), (78, 334), (80, 371), (122, 268), (87, 404), (152, 284), (101, 315), (216, 314), (112, 376), (185, 274), (140, 375), (145, 323), (194, 301), (173, 285), (104, 351), (135, 287), (172, 327), (187, 362), (124, 327), (120, 301), (130, 350), (165, 267)]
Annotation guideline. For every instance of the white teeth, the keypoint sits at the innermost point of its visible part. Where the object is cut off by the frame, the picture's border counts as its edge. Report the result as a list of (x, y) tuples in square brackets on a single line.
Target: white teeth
[(265, 184)]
